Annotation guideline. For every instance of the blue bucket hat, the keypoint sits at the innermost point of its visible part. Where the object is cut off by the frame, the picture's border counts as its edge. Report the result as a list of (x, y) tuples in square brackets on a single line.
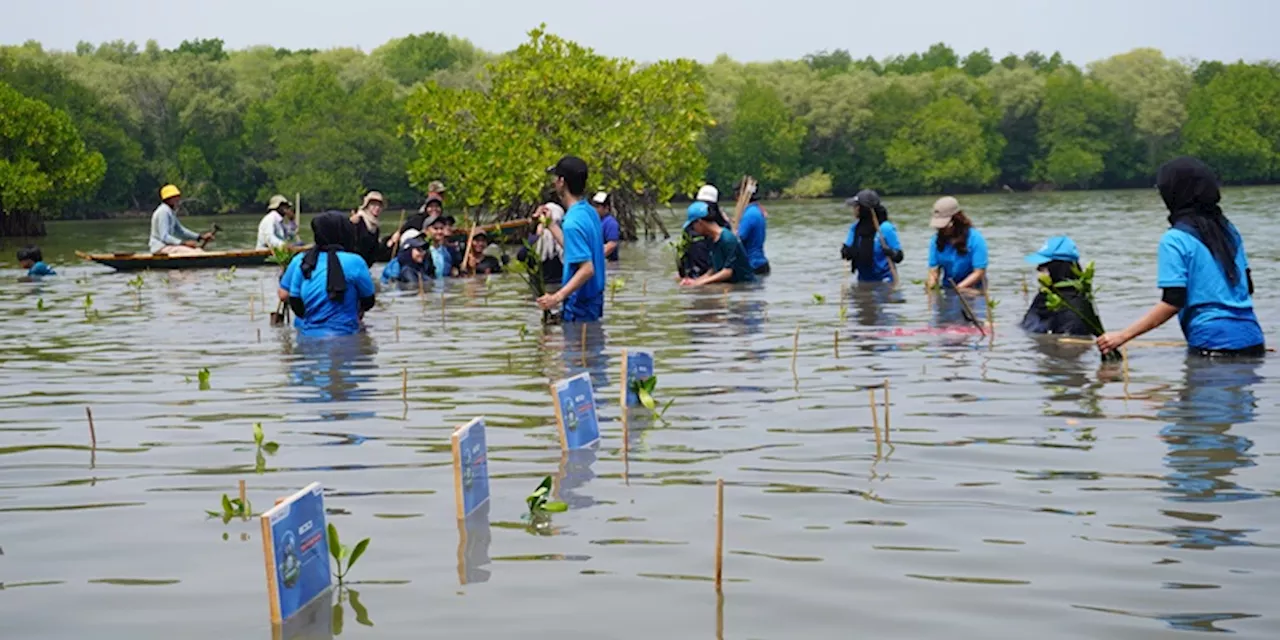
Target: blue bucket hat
[(1055, 248), (697, 211)]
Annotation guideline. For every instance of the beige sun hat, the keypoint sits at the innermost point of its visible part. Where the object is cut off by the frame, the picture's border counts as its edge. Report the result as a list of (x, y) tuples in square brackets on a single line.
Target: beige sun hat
[(943, 210)]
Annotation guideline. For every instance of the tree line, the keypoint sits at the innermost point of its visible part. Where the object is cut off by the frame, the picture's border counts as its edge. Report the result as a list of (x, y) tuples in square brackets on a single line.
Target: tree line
[(101, 128)]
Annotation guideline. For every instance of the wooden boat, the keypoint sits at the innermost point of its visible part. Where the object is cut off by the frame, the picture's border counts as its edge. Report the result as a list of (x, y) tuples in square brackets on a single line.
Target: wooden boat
[(206, 260)]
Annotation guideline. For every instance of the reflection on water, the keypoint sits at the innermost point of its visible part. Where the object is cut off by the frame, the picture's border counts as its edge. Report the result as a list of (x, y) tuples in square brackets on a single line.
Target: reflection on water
[(313, 622), (574, 474), (333, 368), (583, 349), (474, 536)]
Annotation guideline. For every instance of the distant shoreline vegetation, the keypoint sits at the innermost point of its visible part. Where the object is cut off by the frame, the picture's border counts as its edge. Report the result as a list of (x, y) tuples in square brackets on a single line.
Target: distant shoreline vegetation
[(233, 127)]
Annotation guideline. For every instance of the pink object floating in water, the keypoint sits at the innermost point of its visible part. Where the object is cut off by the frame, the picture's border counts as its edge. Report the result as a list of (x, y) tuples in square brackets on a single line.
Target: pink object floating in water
[(905, 332)]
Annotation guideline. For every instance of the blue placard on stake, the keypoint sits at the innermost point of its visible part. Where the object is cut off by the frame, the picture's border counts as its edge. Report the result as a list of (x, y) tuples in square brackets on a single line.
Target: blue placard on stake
[(576, 412), (296, 551), (470, 467), (636, 365)]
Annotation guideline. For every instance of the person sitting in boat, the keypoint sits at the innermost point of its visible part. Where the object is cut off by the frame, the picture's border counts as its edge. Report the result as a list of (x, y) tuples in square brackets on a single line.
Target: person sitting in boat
[(547, 254), (168, 236), (365, 220), (1060, 259), (31, 259), (695, 260), (603, 203), (434, 206), (328, 287), (410, 266), (729, 261), (279, 228), (871, 244), (441, 257), (485, 258)]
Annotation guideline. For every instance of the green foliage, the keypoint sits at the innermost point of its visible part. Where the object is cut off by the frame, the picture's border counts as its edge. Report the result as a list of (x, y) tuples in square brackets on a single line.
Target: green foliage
[(136, 282), (202, 376), (39, 304), (413, 58), (813, 185), (43, 160), (1233, 123), (1083, 284), (636, 127), (232, 508), (344, 557), (281, 256), (946, 146), (644, 391), (262, 448), (90, 314), (818, 298), (615, 285), (538, 503), (763, 140)]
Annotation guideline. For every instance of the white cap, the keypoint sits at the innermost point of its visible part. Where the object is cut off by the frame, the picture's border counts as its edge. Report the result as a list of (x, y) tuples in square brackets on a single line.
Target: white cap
[(556, 211), (409, 233), (600, 197), (708, 193)]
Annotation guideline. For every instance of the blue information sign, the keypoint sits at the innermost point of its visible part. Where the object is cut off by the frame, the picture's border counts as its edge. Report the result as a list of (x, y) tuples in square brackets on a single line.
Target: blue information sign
[(636, 366), (470, 467), (576, 412), (296, 552)]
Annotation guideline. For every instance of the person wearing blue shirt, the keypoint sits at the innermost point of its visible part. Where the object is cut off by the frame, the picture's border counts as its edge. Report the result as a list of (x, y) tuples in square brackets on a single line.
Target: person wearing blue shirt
[(729, 261), (441, 255), (752, 229), (958, 252), (582, 293), (609, 230), (328, 287), (1202, 269), (869, 251), (410, 266), (31, 259)]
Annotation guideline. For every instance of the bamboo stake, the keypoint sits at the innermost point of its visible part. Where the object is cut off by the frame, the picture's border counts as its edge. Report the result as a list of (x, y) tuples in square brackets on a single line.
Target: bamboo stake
[(93, 434), (644, 287), (886, 411), (466, 257), (795, 350), (1124, 358), (583, 346), (404, 385), (398, 324), (836, 343), (243, 500), (251, 307), (748, 185), (875, 418), (719, 531)]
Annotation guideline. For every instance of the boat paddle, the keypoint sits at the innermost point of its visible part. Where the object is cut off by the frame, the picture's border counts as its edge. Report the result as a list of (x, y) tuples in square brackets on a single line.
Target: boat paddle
[(209, 238)]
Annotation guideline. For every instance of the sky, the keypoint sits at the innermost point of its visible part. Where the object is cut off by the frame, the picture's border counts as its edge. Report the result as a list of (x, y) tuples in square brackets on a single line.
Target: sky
[(748, 30)]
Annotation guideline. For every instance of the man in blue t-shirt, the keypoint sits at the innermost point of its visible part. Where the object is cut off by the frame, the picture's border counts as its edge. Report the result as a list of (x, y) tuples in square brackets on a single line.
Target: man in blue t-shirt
[(603, 203), (752, 229), (582, 293)]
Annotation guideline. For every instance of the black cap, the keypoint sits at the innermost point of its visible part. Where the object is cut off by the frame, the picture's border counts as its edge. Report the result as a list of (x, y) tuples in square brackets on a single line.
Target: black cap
[(570, 167), (867, 198), (415, 242), (448, 219), (481, 234)]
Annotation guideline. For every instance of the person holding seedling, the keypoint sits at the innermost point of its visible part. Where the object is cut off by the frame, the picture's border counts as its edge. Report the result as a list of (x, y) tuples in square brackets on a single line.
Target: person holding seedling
[(729, 261), (1062, 306), (1202, 271), (582, 293)]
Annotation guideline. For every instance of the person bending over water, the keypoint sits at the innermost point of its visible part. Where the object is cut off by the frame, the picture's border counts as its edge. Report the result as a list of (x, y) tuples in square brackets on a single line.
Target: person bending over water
[(958, 252), (869, 252), (729, 262), (1202, 269), (695, 260), (328, 287), (1060, 259)]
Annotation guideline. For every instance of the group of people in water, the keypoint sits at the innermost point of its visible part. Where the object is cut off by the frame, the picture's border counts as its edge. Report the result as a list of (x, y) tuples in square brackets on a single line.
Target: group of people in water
[(1203, 271)]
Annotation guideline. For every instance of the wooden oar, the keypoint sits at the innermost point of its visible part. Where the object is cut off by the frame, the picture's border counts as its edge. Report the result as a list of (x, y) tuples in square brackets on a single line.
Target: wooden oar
[(209, 238)]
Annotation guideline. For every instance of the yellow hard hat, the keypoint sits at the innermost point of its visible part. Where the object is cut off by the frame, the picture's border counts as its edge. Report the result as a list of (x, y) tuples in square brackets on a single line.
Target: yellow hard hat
[(169, 191)]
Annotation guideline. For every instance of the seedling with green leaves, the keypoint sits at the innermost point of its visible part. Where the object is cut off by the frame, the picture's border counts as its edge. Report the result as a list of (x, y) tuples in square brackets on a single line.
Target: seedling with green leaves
[(679, 247), (90, 314), (228, 275), (615, 285), (530, 270), (344, 557), (203, 377), (232, 508), (40, 304), (818, 298), (539, 505), (1082, 283), (844, 313), (644, 391), (281, 256), (262, 446)]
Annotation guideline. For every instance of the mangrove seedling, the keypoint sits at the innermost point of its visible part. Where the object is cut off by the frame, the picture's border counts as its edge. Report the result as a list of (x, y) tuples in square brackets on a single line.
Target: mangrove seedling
[(137, 282), (259, 439), (90, 314), (40, 304), (281, 256), (524, 332), (615, 285), (203, 377), (228, 275), (992, 303), (844, 313), (344, 557), (644, 391), (530, 270), (538, 503), (818, 298), (1082, 283), (232, 508), (679, 247)]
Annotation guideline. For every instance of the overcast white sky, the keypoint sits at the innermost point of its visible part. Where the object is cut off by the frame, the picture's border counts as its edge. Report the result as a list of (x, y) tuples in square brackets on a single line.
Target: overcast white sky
[(1083, 30)]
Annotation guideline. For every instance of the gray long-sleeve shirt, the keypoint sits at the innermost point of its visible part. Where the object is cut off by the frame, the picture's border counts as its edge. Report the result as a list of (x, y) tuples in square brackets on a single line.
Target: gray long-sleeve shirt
[(166, 230)]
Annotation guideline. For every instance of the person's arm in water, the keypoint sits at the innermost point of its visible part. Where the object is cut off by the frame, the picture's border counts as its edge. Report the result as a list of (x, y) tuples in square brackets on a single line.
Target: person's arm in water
[(890, 243), (1171, 276), (722, 275), (581, 275), (935, 272), (973, 281), (1158, 315)]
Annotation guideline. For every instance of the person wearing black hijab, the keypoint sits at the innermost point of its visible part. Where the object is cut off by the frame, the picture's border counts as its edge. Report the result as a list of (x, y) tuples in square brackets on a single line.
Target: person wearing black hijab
[(1202, 270), (869, 251), (329, 286)]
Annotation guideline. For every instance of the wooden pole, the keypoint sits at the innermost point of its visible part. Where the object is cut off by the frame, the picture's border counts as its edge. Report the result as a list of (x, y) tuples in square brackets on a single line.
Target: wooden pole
[(875, 418), (967, 309), (93, 434), (719, 531), (583, 345), (398, 323), (243, 501), (886, 410), (795, 350), (836, 343), (404, 385), (466, 256), (259, 334)]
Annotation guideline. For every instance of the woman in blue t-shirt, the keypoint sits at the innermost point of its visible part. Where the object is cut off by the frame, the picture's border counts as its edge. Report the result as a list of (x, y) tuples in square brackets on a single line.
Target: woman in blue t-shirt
[(328, 287), (1201, 268), (869, 251), (958, 253)]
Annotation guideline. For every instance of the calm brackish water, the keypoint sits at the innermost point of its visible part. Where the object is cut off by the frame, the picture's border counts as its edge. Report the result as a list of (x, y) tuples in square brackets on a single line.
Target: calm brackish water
[(1023, 495)]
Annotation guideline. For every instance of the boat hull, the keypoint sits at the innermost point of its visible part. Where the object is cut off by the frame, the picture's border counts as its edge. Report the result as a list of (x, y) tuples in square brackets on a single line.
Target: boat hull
[(208, 260)]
